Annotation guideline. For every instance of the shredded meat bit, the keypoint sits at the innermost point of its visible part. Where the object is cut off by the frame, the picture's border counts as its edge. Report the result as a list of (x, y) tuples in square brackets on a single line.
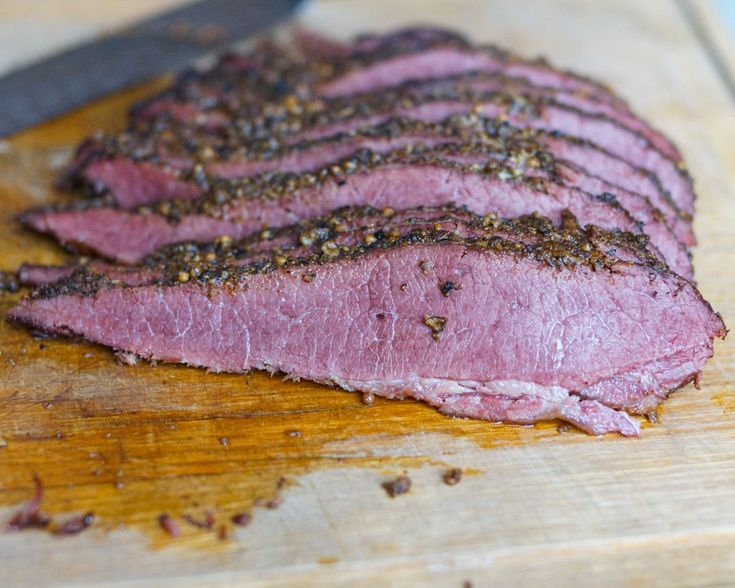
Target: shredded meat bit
[(30, 515), (271, 504), (169, 525), (274, 503), (452, 477), (76, 524), (206, 523), (401, 485), (242, 519)]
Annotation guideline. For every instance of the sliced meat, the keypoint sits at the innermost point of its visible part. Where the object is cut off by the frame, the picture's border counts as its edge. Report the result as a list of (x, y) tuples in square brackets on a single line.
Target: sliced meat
[(273, 70), (349, 226), (481, 82), (160, 167), (396, 180), (540, 113), (555, 300)]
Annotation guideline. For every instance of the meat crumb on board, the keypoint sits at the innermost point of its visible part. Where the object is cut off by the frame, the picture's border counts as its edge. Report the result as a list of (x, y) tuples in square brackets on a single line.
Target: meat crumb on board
[(169, 525), (242, 519), (452, 477), (75, 525), (401, 485), (30, 514), (206, 523)]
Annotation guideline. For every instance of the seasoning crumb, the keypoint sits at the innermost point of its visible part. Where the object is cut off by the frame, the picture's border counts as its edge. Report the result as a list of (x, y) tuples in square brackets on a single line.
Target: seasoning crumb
[(652, 417), (404, 287), (466, 584), (308, 277), (242, 519), (452, 477), (169, 525), (42, 346), (293, 433), (401, 485), (224, 441), (76, 524), (330, 249), (447, 288), (436, 324), (368, 398), (563, 428), (426, 265), (223, 533)]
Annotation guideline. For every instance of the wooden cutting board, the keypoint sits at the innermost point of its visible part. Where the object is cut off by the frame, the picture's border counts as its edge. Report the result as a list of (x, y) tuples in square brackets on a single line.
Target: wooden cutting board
[(536, 504)]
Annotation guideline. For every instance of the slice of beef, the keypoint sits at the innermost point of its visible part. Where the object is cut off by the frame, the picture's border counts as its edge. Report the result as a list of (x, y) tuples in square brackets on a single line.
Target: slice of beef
[(221, 113), (398, 180), (538, 113), (274, 70), (555, 299), (615, 170), (349, 226), (486, 83), (382, 70), (162, 164)]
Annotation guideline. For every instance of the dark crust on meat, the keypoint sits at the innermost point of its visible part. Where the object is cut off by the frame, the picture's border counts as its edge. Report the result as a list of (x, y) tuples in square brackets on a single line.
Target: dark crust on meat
[(274, 71), (532, 236), (261, 137), (219, 192), (524, 147), (203, 149)]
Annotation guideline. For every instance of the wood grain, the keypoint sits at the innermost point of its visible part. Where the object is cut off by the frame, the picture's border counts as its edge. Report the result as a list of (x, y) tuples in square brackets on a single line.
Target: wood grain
[(707, 22), (540, 506)]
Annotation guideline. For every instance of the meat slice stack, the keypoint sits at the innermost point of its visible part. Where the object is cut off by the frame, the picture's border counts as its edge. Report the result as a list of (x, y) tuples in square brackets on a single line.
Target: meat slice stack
[(410, 215)]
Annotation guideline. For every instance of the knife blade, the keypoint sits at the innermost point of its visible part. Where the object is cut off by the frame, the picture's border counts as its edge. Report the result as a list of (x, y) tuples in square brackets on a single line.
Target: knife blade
[(165, 43)]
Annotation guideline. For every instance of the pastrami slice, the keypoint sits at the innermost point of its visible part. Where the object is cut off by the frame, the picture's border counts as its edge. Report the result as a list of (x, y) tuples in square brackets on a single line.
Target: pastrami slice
[(493, 348), (397, 181)]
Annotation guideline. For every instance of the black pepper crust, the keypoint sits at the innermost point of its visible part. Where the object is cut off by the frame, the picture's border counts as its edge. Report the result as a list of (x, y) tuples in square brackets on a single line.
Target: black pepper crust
[(258, 130), (275, 69), (262, 136), (220, 263), (521, 147), (516, 165)]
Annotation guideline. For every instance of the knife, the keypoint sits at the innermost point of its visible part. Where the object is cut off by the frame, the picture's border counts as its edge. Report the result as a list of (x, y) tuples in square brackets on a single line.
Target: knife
[(165, 43)]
